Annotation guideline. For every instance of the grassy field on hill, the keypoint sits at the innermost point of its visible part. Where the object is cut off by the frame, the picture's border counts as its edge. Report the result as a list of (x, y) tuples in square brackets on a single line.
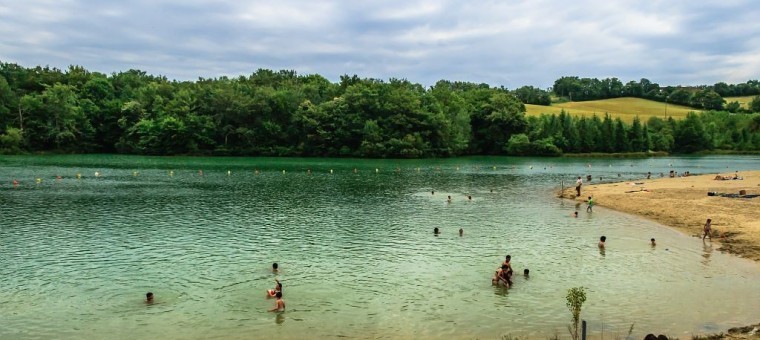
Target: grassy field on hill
[(744, 101), (625, 108)]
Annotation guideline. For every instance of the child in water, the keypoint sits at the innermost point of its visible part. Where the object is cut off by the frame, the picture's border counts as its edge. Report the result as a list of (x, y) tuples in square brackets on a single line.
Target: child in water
[(277, 289), (601, 241), (279, 305), (149, 298)]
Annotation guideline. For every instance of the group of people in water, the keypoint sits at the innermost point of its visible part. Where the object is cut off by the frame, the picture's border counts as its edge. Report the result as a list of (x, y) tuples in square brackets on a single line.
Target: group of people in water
[(503, 274), (276, 292)]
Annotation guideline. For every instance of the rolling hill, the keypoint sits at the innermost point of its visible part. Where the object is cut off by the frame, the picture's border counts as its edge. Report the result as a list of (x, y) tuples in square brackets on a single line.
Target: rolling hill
[(743, 101), (626, 108)]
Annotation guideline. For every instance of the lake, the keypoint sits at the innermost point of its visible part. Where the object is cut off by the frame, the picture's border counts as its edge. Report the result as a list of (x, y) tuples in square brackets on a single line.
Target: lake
[(354, 241)]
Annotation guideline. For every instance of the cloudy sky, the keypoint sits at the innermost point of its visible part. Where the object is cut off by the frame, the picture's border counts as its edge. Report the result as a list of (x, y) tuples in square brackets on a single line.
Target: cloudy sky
[(508, 42)]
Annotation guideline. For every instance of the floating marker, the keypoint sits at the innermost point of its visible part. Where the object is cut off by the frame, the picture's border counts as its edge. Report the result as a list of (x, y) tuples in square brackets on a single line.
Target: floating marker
[(39, 180), (229, 172), (171, 173), (377, 170), (79, 176), (283, 172), (331, 171), (97, 174), (495, 167), (134, 173), (457, 168)]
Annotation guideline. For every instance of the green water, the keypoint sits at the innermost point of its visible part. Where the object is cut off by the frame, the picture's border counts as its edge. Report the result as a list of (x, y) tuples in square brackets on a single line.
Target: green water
[(356, 249)]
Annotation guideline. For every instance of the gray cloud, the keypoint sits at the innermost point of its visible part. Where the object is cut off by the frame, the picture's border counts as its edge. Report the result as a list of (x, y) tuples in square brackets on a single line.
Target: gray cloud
[(509, 43)]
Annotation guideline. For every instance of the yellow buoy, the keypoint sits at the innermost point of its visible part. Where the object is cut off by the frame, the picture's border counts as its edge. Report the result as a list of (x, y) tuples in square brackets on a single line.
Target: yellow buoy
[(79, 176), (171, 173), (283, 172), (377, 170), (331, 171), (229, 173), (39, 180), (134, 173)]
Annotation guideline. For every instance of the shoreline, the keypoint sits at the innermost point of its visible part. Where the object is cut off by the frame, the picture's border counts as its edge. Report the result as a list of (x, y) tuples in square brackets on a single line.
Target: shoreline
[(683, 204)]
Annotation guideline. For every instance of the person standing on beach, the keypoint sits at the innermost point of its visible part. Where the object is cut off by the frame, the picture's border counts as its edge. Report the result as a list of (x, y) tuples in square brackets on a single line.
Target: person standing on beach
[(590, 207), (707, 230), (578, 184)]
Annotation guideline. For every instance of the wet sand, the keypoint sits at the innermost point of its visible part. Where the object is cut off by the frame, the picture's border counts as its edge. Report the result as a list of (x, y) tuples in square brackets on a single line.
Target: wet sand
[(683, 203)]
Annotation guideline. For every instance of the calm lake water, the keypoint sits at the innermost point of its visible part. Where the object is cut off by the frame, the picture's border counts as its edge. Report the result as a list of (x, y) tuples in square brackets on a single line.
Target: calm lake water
[(356, 248)]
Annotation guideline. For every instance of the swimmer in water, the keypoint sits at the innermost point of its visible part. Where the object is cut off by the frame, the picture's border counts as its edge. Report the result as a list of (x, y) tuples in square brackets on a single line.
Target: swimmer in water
[(508, 261), (652, 241), (448, 200), (149, 298), (277, 289), (601, 241), (461, 232), (526, 272), (436, 232), (502, 275), (275, 267), (279, 305), (575, 214)]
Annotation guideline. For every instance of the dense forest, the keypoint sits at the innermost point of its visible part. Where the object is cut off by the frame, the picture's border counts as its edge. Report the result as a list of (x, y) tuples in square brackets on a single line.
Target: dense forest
[(282, 113)]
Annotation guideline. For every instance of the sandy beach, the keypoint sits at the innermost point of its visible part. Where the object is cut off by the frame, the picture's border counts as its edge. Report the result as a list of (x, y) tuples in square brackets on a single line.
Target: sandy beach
[(684, 203)]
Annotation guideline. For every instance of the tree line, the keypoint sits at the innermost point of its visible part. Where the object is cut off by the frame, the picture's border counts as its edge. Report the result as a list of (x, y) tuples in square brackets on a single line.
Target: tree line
[(282, 113), (701, 97)]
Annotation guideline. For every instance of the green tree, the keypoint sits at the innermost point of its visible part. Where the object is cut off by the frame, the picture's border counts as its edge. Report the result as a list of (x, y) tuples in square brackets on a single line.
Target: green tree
[(499, 118), (575, 299), (754, 105), (690, 135), (11, 141)]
